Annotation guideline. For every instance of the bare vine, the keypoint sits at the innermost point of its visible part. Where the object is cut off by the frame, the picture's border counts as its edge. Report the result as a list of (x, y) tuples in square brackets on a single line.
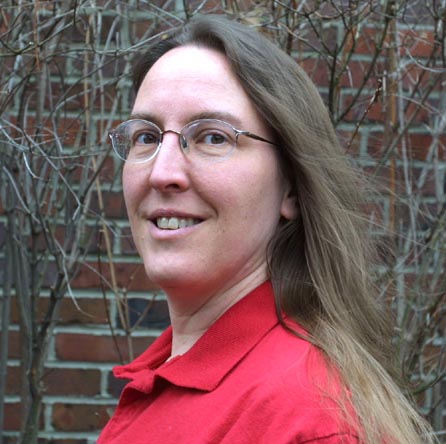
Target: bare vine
[(64, 83)]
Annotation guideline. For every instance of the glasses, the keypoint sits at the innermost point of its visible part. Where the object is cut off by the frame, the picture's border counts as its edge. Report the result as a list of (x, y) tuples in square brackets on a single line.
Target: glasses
[(139, 140)]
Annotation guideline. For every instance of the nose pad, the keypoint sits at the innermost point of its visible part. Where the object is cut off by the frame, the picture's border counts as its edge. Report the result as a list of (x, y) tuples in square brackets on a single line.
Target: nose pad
[(183, 143)]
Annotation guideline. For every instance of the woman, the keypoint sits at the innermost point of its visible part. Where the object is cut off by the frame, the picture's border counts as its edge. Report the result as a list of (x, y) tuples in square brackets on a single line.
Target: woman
[(245, 212)]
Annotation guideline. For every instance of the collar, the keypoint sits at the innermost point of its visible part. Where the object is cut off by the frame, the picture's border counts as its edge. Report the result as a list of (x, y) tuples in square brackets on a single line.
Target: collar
[(217, 352)]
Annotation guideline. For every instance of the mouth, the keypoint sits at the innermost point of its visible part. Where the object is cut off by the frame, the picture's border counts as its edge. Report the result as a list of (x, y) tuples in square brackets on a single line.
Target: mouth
[(175, 223)]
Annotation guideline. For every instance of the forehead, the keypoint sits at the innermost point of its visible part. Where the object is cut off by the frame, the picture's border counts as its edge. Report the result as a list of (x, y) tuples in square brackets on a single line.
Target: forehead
[(192, 80), (190, 60)]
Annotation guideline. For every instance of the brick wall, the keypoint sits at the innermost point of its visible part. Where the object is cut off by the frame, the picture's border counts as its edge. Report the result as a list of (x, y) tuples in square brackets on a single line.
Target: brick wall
[(66, 252)]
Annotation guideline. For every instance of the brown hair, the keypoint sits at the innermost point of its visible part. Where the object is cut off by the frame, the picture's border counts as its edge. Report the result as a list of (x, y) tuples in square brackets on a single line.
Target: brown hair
[(319, 262)]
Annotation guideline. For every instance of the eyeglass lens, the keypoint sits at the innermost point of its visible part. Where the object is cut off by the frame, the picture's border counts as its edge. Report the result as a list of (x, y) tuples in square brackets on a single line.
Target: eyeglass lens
[(139, 140)]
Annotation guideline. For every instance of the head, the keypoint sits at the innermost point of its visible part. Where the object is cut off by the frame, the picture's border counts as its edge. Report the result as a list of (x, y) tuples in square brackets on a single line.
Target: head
[(231, 200), (310, 158)]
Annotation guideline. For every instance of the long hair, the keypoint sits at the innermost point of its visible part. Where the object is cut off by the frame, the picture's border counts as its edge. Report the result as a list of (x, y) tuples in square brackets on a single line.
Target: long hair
[(319, 262)]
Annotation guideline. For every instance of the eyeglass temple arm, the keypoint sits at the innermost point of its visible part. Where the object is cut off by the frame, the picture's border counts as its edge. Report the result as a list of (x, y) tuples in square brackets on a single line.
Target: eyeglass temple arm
[(256, 137)]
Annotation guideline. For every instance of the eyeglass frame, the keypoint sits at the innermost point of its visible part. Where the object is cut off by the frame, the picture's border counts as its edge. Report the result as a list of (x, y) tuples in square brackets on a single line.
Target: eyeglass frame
[(180, 135)]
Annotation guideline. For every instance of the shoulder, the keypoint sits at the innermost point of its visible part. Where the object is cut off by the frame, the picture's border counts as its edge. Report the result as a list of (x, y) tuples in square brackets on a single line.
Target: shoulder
[(289, 359), (291, 387)]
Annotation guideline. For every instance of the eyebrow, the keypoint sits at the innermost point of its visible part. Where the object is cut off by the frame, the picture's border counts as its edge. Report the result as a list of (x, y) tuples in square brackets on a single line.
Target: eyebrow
[(219, 115), (144, 116)]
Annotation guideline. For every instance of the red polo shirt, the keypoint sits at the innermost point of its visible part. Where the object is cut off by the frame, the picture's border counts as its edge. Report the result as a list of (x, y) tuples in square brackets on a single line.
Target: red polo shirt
[(245, 381)]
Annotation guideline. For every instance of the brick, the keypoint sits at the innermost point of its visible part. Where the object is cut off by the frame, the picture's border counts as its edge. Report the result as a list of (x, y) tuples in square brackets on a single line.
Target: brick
[(353, 76), (70, 95), (415, 76), (90, 348), (14, 344), (428, 187), (75, 95), (13, 416), (311, 40), (373, 108), (433, 353), (425, 217), (57, 65), (375, 144), (148, 313), (128, 276), (87, 311), (13, 380), (364, 104), (107, 174), (107, 22), (62, 441), (114, 204), (87, 242), (417, 43), (2, 266), (141, 27), (375, 214), (421, 113), (127, 243), (350, 141), (75, 32), (76, 382), (385, 247), (419, 147), (59, 382), (5, 22), (114, 235), (111, 70), (317, 69), (66, 130), (80, 418), (90, 241), (366, 40), (70, 129), (115, 385)]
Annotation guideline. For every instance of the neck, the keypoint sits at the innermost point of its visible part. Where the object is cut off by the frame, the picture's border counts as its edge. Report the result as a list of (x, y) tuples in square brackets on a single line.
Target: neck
[(190, 321)]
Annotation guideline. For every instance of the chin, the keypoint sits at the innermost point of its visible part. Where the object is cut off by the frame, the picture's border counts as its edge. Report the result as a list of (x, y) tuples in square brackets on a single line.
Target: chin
[(169, 278)]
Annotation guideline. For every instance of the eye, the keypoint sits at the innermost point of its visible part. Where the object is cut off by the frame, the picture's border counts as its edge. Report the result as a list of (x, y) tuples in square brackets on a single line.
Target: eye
[(213, 138), (213, 134), (146, 137), (210, 137)]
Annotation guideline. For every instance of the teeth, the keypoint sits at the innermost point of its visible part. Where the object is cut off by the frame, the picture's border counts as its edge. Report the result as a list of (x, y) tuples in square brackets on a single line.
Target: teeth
[(173, 223)]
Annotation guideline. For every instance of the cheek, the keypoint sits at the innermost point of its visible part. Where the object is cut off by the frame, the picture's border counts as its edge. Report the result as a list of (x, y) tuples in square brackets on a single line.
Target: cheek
[(254, 193), (132, 188), (133, 191)]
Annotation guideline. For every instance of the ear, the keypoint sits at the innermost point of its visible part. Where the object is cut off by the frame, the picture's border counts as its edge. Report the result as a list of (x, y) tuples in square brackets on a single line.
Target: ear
[(288, 208)]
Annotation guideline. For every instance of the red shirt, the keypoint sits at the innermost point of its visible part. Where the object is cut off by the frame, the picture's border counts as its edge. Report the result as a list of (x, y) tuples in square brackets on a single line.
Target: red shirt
[(245, 381)]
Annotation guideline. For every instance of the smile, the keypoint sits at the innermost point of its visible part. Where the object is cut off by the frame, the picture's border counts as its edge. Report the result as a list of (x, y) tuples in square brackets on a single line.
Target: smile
[(174, 223)]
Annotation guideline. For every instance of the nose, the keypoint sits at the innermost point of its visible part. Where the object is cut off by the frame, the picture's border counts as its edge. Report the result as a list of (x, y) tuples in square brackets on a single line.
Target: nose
[(169, 169)]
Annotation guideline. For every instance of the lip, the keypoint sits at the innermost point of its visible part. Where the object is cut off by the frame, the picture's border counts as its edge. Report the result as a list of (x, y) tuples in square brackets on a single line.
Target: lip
[(159, 233), (168, 212)]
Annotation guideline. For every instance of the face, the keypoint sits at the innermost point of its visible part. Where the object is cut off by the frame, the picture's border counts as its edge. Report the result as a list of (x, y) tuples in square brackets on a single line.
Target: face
[(224, 213)]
